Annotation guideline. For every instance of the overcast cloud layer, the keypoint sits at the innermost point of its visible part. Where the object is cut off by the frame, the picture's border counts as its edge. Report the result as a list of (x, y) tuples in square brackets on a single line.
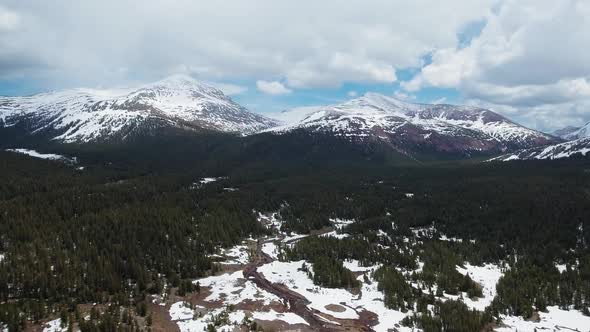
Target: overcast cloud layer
[(530, 60)]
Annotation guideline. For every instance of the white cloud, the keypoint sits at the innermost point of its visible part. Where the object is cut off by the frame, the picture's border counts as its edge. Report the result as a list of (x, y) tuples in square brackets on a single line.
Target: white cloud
[(530, 56), (9, 20), (441, 100), (352, 93), (229, 89), (403, 96), (305, 44), (545, 117), (272, 88)]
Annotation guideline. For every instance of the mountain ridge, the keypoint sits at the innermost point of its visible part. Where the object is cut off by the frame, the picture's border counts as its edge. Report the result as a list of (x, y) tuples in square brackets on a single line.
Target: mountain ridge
[(410, 126), (87, 115)]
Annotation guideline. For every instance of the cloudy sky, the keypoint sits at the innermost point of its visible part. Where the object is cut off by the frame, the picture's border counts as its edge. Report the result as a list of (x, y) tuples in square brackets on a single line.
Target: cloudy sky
[(527, 59)]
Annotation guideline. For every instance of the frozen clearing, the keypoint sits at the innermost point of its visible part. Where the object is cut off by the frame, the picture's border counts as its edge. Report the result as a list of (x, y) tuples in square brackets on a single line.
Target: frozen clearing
[(54, 326), (287, 317), (335, 234), (271, 250), (232, 288), (341, 223), (553, 320), (237, 255), (270, 220), (183, 315), (294, 237), (208, 180), (180, 311), (487, 276), (289, 274), (35, 154)]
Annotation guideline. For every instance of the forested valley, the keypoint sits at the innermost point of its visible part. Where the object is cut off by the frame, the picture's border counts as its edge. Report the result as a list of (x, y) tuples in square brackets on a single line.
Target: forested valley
[(98, 238)]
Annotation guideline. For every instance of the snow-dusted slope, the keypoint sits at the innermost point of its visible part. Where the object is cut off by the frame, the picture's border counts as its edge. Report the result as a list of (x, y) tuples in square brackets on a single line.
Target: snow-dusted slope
[(576, 133), (445, 128), (579, 147), (566, 133), (83, 115)]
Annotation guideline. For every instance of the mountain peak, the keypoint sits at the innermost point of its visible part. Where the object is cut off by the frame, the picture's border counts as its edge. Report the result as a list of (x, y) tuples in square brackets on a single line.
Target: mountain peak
[(184, 84), (87, 115), (377, 101), (412, 127), (572, 133), (178, 79)]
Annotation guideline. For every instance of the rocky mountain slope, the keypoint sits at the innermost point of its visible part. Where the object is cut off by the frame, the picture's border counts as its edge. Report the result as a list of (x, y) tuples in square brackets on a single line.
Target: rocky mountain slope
[(566, 133), (411, 127), (573, 133), (85, 115)]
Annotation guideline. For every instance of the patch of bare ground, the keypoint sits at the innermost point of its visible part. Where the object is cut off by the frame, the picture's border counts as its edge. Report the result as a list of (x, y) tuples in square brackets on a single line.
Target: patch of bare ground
[(535, 317), (279, 325), (321, 231), (251, 305), (161, 320), (199, 299), (228, 268), (335, 308)]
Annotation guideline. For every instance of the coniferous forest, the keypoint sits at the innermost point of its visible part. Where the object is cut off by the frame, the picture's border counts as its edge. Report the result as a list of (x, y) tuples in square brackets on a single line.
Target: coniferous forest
[(123, 224)]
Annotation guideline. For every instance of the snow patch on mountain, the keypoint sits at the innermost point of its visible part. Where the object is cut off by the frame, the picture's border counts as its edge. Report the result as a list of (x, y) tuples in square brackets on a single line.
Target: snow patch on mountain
[(579, 147)]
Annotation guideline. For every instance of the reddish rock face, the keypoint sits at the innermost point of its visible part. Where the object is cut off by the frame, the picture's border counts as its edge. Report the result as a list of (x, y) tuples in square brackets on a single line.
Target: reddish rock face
[(421, 128)]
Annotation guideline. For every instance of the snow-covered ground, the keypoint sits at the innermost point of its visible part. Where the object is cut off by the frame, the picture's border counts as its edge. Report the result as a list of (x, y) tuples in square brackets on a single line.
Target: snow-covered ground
[(287, 317), (271, 220), (271, 249), (289, 274), (35, 154), (487, 276), (336, 235), (232, 289), (54, 326), (341, 223), (294, 237), (427, 232), (208, 180), (238, 254), (188, 321), (553, 320)]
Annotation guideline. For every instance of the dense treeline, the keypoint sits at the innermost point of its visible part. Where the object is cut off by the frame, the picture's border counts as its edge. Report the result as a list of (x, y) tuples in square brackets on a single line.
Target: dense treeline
[(527, 287), (450, 316), (76, 238), (134, 219), (440, 270)]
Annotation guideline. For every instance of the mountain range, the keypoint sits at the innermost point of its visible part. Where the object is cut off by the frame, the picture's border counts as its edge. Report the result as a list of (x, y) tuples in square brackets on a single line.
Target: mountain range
[(185, 105), (409, 127)]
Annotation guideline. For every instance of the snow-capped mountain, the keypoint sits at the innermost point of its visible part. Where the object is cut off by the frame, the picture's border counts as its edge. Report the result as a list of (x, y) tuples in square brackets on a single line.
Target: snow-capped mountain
[(566, 133), (573, 133), (83, 115), (578, 147), (408, 126)]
